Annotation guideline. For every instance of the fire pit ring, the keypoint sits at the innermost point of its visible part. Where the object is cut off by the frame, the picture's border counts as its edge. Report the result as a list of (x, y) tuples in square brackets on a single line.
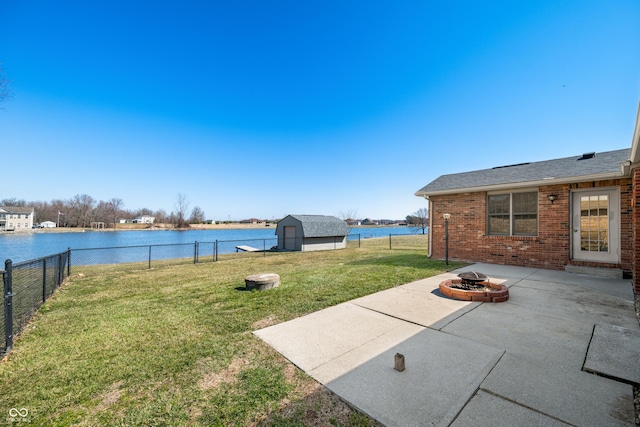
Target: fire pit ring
[(474, 286), (261, 282), (473, 276)]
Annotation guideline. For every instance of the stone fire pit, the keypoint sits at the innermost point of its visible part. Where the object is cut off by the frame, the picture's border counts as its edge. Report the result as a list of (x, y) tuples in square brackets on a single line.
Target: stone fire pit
[(474, 286), (261, 282)]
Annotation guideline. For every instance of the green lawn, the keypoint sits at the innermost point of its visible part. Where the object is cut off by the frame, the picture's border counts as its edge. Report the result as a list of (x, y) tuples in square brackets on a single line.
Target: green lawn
[(173, 345)]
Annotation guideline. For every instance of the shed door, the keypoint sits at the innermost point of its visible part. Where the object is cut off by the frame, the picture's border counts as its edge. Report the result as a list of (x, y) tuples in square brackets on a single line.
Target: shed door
[(290, 237), (596, 225)]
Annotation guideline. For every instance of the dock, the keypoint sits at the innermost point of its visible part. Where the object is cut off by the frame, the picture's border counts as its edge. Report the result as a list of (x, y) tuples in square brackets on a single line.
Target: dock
[(246, 248)]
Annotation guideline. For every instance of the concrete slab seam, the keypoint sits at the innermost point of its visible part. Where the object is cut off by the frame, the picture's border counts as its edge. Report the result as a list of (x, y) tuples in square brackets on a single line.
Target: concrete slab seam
[(586, 353), (478, 388), (499, 396), (478, 304), (388, 315), (458, 317)]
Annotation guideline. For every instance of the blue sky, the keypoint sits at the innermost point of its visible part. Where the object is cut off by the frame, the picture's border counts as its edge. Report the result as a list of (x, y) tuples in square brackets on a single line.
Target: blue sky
[(262, 109)]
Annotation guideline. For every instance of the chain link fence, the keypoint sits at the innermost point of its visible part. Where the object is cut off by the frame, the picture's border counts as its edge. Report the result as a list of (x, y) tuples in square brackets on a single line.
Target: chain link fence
[(27, 285), (409, 241), (148, 256)]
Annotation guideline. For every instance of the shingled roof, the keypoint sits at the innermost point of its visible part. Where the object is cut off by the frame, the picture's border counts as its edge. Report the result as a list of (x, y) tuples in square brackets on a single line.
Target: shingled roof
[(588, 167), (322, 225), (16, 209)]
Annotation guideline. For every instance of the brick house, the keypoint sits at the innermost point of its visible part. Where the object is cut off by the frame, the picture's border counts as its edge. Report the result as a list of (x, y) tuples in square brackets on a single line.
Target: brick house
[(576, 213)]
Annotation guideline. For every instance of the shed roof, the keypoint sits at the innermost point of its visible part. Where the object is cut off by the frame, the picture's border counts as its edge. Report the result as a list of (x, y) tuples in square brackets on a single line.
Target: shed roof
[(588, 167), (322, 225)]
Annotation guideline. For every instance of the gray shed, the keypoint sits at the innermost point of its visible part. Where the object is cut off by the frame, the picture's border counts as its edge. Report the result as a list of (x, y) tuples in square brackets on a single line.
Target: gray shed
[(311, 233)]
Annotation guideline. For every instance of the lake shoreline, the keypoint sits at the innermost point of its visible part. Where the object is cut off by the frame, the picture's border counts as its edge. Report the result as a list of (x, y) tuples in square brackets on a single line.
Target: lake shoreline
[(168, 227)]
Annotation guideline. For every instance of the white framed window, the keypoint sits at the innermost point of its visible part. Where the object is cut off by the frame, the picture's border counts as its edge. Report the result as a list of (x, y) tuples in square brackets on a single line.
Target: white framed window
[(513, 214)]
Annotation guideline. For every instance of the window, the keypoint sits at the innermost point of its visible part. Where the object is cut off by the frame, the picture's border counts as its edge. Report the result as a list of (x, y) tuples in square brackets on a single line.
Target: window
[(594, 223), (513, 214)]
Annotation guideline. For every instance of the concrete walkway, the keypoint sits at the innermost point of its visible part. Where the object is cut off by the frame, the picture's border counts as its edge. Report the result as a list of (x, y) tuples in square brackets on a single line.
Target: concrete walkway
[(528, 361)]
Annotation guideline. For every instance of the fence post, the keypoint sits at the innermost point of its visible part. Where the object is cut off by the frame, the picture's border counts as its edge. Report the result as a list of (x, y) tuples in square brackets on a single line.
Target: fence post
[(44, 280), (264, 247), (149, 256), (60, 270), (195, 252), (216, 250), (68, 262), (389, 240), (8, 305)]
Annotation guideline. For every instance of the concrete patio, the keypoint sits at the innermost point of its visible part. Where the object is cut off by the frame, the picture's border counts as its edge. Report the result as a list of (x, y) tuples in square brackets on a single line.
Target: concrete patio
[(563, 350)]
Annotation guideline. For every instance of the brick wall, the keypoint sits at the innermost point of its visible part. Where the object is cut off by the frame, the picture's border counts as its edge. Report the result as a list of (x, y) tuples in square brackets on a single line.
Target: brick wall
[(551, 248)]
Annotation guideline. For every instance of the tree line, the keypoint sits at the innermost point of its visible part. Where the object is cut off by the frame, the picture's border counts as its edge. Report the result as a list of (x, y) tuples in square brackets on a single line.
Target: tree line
[(81, 210)]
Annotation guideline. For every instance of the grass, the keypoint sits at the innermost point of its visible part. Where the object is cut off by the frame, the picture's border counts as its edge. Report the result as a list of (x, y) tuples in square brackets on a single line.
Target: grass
[(173, 345)]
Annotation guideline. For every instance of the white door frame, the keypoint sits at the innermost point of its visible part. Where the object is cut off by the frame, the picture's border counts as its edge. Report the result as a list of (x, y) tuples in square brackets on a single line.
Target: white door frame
[(607, 250)]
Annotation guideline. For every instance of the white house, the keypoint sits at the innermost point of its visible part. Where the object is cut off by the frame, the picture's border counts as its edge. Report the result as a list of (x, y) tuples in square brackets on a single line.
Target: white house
[(144, 219), (13, 218), (48, 224)]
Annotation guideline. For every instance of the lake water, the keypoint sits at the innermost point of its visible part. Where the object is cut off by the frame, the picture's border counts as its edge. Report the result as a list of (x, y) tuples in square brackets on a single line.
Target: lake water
[(22, 247)]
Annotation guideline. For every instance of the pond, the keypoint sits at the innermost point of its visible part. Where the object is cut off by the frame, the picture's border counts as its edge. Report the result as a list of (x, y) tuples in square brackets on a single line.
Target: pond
[(25, 246)]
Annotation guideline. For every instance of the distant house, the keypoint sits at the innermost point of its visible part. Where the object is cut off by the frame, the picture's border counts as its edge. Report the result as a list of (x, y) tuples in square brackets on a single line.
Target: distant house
[(387, 221), (252, 221), (16, 218), (144, 219), (311, 233), (579, 213), (48, 224)]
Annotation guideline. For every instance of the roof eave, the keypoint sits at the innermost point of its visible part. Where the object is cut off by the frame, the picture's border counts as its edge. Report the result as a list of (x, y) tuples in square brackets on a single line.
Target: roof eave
[(513, 185), (635, 141)]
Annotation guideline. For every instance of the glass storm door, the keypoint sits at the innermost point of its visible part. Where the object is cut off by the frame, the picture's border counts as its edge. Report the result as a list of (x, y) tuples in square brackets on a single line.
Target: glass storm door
[(596, 226)]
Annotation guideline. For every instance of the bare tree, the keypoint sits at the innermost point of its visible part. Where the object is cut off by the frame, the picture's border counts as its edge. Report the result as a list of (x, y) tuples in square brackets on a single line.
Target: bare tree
[(182, 205), (161, 216), (58, 207), (13, 202), (348, 214), (419, 220), (82, 209), (197, 215), (42, 211), (143, 211), (115, 205)]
